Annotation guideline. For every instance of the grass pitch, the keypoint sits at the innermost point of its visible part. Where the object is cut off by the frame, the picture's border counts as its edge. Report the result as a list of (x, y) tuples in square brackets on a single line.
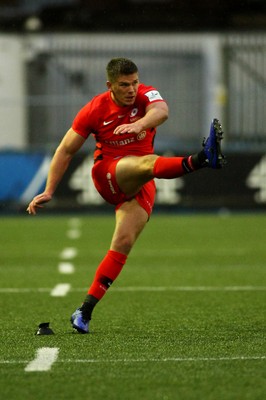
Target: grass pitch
[(185, 319)]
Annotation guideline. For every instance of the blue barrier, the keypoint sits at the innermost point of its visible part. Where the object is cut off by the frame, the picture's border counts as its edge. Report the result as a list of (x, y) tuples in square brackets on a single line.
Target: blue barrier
[(22, 175), (241, 185)]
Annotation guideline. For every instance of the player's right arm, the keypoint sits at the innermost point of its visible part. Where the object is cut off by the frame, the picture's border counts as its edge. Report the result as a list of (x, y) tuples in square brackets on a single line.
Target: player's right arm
[(68, 147)]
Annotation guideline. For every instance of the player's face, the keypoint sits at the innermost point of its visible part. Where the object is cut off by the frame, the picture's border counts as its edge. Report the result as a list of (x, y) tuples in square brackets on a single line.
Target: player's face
[(124, 89)]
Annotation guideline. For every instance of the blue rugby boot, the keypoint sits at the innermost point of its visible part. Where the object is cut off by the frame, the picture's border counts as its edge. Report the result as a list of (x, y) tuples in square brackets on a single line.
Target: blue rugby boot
[(212, 146), (78, 322)]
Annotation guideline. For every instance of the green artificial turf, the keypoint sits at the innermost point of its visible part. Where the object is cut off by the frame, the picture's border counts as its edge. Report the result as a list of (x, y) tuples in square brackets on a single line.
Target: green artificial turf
[(184, 320)]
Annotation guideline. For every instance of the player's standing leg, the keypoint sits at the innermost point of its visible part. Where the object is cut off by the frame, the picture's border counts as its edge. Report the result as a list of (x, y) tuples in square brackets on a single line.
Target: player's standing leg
[(130, 221)]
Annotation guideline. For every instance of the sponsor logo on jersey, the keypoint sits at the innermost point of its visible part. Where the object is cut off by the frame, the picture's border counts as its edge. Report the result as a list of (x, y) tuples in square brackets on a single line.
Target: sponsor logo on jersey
[(107, 122), (153, 95), (120, 142), (109, 180), (141, 135), (134, 112)]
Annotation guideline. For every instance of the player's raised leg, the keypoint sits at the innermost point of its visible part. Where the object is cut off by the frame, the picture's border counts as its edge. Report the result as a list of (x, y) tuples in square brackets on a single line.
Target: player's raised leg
[(132, 172)]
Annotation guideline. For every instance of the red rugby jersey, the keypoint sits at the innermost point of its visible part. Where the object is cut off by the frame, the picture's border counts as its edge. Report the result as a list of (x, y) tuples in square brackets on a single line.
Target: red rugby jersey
[(102, 115)]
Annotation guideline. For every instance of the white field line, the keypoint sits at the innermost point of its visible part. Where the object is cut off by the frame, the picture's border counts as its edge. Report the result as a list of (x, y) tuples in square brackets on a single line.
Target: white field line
[(186, 252), (24, 290), (66, 268), (45, 357), (74, 222), (139, 360), (188, 288), (60, 290), (68, 253), (73, 233), (148, 289), (171, 359)]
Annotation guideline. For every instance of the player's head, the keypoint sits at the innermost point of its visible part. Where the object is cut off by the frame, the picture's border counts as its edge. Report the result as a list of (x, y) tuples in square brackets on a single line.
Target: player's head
[(123, 81), (120, 66)]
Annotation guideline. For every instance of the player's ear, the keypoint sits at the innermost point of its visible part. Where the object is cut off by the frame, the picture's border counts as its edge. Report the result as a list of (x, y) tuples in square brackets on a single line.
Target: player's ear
[(109, 85)]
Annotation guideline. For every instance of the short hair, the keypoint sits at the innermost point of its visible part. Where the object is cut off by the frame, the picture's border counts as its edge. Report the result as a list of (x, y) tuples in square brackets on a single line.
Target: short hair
[(120, 66)]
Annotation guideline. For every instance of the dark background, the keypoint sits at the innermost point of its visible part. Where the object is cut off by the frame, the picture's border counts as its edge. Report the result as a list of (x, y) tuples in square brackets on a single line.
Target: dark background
[(135, 15)]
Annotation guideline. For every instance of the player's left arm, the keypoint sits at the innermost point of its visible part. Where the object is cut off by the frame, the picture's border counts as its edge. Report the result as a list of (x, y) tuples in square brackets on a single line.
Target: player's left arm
[(156, 114)]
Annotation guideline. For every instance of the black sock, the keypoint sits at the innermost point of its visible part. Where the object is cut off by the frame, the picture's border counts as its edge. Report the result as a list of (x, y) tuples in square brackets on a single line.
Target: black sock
[(199, 160), (88, 306), (194, 162)]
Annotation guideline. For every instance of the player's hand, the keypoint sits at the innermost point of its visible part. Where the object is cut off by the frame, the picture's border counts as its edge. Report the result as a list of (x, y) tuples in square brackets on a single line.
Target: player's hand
[(128, 128), (38, 202)]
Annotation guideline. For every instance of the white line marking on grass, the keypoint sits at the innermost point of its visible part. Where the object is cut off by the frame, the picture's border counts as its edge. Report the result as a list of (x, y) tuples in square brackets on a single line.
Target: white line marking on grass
[(234, 251), (24, 290), (69, 253), (45, 357), (74, 222), (151, 289), (171, 359), (188, 288), (73, 233), (66, 268), (142, 360), (13, 362), (60, 290)]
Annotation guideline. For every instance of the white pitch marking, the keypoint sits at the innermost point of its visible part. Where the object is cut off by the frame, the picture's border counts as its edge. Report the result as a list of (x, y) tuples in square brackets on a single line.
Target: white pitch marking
[(45, 357), (142, 360), (23, 290), (74, 222), (151, 289), (60, 290), (69, 253), (190, 251), (66, 268), (13, 362), (188, 288), (170, 359), (73, 233)]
